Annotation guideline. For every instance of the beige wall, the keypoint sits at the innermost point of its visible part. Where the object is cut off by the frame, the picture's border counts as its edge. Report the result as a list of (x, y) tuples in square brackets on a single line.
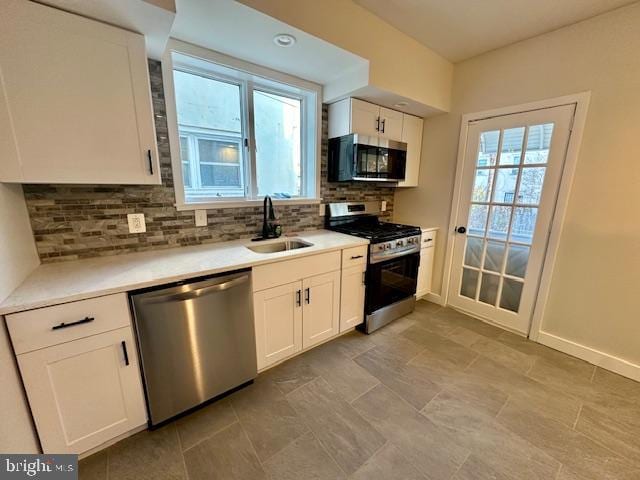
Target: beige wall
[(595, 291), (18, 258), (398, 63)]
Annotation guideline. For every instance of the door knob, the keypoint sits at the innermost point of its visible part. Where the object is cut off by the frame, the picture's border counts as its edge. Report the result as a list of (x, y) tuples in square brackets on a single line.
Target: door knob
[(461, 229)]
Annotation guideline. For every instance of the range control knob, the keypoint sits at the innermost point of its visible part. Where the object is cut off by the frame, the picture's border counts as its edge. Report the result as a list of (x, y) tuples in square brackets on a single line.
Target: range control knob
[(399, 243)]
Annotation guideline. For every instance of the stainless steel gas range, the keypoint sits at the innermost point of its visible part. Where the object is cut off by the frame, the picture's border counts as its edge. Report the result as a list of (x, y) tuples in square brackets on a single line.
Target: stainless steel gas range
[(394, 257)]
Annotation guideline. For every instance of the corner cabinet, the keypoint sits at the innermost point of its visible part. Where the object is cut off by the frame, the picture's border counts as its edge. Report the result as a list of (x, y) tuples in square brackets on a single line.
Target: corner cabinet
[(75, 100), (412, 136), (79, 365)]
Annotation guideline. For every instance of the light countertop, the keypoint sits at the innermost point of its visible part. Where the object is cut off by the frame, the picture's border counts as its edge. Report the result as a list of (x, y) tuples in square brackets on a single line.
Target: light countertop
[(56, 283)]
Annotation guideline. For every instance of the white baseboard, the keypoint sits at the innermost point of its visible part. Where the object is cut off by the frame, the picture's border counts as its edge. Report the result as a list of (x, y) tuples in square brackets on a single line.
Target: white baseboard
[(591, 355), (433, 297)]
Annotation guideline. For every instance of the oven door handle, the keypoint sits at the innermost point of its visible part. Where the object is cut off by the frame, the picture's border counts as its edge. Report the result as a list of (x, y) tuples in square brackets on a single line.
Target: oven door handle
[(391, 256)]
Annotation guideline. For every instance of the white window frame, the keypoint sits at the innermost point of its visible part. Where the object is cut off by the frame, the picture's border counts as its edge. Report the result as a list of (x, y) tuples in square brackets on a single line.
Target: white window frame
[(194, 59)]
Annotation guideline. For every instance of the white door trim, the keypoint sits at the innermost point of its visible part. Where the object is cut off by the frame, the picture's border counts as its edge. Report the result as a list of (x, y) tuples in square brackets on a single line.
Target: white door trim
[(581, 100)]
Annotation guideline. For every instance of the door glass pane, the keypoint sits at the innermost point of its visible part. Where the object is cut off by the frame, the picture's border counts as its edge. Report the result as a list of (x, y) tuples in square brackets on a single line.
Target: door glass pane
[(499, 222), (477, 219), (524, 224), (277, 121), (517, 260), (489, 288), (505, 188), (469, 283), (538, 143), (511, 293), (512, 146), (473, 252), (482, 185), (488, 150), (531, 185), (494, 256)]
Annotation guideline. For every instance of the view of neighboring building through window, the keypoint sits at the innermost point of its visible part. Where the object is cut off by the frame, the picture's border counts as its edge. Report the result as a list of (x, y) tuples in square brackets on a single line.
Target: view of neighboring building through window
[(219, 115)]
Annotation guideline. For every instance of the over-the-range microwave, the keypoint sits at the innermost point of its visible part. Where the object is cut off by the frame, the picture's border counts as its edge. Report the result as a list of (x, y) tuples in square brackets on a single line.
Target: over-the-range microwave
[(357, 157)]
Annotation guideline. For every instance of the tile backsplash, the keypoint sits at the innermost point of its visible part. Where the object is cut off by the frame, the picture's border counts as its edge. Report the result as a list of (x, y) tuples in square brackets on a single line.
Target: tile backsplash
[(80, 221)]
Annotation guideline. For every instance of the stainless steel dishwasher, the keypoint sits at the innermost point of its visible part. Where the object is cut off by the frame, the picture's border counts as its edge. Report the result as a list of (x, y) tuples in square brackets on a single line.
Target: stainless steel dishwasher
[(196, 341)]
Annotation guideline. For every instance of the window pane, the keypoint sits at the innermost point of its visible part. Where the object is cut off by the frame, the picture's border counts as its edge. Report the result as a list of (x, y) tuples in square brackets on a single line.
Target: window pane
[(278, 146), (499, 222), (538, 143), (210, 108), (512, 146), (494, 256), (488, 150), (524, 224), (482, 185), (531, 185), (517, 260), (489, 288), (184, 156), (477, 219), (469, 283), (473, 252), (505, 188), (511, 293)]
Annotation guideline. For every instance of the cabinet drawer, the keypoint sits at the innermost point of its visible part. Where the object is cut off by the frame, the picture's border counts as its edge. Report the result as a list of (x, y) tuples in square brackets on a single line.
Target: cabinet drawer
[(354, 256), (41, 328), (287, 271), (428, 239)]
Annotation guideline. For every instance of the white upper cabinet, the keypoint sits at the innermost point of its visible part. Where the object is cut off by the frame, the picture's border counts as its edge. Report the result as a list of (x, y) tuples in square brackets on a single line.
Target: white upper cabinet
[(391, 123), (75, 100), (365, 118), (357, 116), (412, 136)]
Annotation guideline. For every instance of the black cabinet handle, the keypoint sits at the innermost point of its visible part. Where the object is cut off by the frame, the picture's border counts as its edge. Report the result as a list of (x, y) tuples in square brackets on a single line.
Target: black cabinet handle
[(298, 298), (378, 124), (307, 295), (354, 257), (72, 324), (427, 240), (125, 353), (384, 120), (150, 162)]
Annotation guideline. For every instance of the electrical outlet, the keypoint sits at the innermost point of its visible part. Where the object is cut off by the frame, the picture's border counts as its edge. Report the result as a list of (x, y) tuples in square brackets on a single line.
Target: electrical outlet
[(201, 218), (136, 223), (383, 208)]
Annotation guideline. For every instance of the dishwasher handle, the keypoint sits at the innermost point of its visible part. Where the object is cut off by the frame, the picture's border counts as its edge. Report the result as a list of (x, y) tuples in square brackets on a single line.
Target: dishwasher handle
[(190, 294)]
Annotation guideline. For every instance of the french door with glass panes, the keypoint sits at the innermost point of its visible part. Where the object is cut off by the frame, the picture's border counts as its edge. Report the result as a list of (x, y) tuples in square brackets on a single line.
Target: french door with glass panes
[(509, 184)]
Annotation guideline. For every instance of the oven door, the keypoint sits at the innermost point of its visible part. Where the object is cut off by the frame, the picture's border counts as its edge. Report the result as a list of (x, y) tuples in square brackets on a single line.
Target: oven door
[(391, 281)]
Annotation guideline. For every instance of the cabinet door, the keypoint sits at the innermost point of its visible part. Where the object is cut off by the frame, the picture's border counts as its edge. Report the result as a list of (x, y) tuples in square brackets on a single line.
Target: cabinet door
[(425, 272), (412, 136), (352, 297), (76, 97), (391, 124), (364, 118), (278, 319), (84, 392), (321, 312)]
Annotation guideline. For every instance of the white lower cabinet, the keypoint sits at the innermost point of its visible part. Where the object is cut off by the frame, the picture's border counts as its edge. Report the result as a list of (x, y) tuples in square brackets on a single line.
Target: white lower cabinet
[(352, 297), (84, 392), (425, 271), (321, 308), (278, 320)]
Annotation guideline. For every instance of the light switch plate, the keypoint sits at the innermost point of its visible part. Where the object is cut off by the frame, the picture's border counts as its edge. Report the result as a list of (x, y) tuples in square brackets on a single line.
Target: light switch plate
[(383, 208), (136, 223), (201, 218)]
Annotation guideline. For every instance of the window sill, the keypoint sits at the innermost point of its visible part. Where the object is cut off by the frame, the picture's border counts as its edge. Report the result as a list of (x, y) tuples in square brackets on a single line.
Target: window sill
[(245, 203)]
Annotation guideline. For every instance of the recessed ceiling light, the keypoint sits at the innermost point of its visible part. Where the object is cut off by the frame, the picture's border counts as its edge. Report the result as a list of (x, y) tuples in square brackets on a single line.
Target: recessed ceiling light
[(284, 40), (401, 104)]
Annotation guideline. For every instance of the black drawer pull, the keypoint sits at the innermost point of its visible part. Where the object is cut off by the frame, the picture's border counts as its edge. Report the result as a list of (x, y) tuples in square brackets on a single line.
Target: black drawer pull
[(150, 162), (126, 354), (72, 324), (428, 240), (307, 295), (353, 257)]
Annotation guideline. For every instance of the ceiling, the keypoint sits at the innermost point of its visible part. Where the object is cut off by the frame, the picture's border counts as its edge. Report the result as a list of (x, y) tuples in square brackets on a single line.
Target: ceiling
[(461, 29)]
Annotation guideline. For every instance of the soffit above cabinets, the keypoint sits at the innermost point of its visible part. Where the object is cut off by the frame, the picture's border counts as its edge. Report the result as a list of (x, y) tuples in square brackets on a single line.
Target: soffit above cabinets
[(152, 18)]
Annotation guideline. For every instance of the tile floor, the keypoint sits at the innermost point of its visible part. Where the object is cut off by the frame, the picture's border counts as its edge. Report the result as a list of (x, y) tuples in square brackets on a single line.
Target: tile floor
[(435, 395)]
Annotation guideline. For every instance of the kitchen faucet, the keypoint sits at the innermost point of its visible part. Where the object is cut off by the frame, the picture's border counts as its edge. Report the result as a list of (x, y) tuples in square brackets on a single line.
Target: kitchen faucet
[(270, 229)]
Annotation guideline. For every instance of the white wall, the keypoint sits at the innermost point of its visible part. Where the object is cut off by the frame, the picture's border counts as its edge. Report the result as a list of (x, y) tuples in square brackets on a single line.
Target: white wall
[(18, 257), (596, 280)]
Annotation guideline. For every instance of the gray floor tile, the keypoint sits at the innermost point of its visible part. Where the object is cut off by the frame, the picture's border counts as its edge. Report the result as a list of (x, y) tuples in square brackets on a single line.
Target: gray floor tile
[(346, 436), (614, 382), (475, 469), (205, 422), (228, 455), (424, 306), (291, 374), (93, 467), (577, 452), (303, 459), (352, 344), (440, 347), (500, 449), (267, 417), (461, 320), (398, 345), (428, 447), (405, 380), (388, 464), (148, 455), (616, 434)]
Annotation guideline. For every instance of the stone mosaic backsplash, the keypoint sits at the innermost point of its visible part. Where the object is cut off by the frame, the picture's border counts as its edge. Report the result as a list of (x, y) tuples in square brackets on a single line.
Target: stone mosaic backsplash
[(81, 221)]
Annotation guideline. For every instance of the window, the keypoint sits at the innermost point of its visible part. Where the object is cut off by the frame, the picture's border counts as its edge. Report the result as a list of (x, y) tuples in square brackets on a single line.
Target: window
[(241, 135)]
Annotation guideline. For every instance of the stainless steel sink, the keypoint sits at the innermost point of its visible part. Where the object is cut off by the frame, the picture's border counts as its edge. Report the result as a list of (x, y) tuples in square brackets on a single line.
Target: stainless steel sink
[(280, 246)]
